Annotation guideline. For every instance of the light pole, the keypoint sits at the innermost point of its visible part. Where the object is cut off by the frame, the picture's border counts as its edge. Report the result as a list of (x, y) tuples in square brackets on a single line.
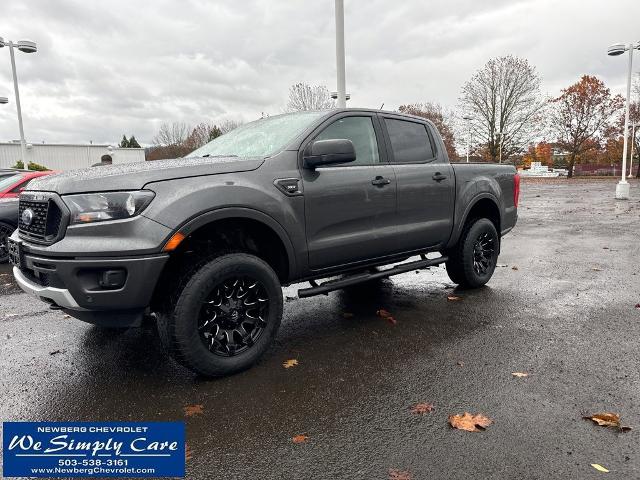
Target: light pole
[(633, 143), (25, 46), (622, 188), (467, 119), (342, 87)]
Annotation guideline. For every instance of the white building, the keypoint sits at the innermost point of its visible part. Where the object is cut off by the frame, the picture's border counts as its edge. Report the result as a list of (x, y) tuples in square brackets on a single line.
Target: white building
[(67, 156)]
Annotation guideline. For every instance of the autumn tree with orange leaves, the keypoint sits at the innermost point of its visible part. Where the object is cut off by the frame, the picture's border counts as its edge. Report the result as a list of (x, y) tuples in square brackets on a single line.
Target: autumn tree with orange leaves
[(583, 116)]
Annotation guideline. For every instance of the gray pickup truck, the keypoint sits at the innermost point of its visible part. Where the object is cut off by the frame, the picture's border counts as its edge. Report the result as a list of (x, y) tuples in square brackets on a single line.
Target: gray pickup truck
[(203, 244)]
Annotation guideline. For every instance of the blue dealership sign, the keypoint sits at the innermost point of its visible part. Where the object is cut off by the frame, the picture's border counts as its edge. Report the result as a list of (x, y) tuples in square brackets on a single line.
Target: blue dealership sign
[(91, 449)]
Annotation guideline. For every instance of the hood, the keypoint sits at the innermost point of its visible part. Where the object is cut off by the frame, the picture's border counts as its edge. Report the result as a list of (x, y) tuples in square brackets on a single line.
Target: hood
[(134, 176)]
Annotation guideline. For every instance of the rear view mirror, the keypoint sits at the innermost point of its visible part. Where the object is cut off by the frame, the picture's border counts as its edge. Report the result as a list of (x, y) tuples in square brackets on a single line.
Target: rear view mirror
[(328, 152)]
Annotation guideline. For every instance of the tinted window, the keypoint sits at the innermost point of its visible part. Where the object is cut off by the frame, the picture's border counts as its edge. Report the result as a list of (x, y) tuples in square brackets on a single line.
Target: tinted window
[(410, 141), (360, 131)]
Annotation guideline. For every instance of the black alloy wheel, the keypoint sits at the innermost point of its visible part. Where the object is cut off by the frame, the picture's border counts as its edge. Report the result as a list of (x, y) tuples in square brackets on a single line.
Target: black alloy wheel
[(484, 249), (234, 316)]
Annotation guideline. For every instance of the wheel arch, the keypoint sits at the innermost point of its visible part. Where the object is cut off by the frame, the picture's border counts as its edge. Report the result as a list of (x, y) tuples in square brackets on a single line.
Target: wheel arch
[(484, 205)]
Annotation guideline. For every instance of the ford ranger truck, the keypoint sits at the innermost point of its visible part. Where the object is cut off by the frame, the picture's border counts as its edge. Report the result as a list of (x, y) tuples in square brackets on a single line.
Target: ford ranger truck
[(203, 244)]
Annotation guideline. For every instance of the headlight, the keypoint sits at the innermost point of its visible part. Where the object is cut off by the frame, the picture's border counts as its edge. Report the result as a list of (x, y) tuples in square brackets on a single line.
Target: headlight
[(98, 207)]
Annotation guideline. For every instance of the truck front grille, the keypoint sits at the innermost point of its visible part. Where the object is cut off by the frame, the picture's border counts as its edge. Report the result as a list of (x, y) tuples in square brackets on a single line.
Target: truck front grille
[(39, 219)]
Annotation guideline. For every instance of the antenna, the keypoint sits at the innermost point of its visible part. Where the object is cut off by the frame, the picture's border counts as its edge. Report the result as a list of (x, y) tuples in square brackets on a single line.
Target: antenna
[(381, 105)]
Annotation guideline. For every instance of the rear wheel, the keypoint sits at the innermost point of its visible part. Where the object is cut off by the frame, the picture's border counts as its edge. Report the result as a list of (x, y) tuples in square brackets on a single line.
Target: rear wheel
[(5, 232), (473, 260), (223, 316)]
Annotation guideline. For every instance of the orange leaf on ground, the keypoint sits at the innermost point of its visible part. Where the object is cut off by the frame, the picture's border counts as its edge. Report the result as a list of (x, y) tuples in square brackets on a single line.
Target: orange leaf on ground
[(422, 408), (187, 452), (395, 474), (302, 438), (387, 316), (470, 423), (191, 410), (290, 363), (607, 419), (514, 267), (520, 374), (453, 298)]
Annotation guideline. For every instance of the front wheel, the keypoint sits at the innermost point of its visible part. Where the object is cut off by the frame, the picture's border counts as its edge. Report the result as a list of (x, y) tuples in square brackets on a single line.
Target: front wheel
[(223, 316), (473, 260), (5, 232)]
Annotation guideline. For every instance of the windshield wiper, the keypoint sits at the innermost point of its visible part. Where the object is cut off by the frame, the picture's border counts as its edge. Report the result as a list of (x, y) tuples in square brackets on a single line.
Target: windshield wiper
[(208, 155)]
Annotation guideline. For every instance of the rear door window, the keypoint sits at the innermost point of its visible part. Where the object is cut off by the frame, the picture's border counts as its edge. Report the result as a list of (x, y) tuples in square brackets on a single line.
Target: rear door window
[(410, 141)]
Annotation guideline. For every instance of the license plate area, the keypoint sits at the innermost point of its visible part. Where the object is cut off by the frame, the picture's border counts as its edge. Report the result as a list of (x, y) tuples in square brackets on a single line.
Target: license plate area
[(15, 252)]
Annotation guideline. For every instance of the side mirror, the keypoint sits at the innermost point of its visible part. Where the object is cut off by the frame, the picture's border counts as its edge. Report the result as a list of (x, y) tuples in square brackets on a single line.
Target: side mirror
[(328, 152)]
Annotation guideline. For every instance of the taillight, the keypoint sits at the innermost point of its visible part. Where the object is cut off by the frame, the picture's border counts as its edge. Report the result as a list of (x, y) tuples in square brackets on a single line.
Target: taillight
[(516, 189)]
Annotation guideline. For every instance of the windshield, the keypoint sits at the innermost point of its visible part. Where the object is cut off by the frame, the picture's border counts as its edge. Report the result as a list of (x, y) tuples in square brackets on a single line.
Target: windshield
[(261, 138), (8, 181)]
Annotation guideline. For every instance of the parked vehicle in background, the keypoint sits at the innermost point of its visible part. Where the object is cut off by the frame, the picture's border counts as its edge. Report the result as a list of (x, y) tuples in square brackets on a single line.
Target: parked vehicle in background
[(12, 184), (7, 172), (8, 223), (205, 243)]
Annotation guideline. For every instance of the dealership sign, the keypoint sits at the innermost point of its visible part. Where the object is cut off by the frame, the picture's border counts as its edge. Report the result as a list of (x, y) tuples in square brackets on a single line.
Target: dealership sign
[(88, 449)]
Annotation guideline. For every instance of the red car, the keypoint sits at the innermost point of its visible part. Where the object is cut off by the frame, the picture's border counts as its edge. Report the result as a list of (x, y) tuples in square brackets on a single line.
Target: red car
[(11, 186)]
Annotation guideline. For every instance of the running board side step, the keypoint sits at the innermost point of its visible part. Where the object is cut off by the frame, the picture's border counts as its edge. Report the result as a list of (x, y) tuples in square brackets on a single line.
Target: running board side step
[(331, 285)]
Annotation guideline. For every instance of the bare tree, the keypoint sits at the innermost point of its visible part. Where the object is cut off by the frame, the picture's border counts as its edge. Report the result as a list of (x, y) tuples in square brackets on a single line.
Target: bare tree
[(228, 125), (503, 96), (174, 134), (583, 116), (309, 97), (440, 118)]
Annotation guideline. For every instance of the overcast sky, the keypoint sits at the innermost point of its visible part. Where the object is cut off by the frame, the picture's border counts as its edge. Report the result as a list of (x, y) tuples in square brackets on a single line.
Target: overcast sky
[(112, 67)]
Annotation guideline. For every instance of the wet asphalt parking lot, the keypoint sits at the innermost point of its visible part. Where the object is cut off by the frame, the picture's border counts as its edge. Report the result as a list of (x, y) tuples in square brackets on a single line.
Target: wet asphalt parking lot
[(561, 307)]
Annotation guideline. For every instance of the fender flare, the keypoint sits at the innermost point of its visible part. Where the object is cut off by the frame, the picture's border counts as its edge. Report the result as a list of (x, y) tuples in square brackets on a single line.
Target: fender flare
[(204, 218), (459, 225)]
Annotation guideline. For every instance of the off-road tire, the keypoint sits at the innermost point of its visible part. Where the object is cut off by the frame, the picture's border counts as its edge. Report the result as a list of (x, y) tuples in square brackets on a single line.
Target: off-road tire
[(178, 319), (460, 266)]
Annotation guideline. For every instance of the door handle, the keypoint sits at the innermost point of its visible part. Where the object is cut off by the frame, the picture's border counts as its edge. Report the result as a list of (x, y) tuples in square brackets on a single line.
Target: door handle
[(438, 177), (380, 181)]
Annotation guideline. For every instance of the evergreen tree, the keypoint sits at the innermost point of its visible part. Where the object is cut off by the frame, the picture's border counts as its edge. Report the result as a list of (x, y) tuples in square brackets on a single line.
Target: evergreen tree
[(215, 132), (124, 143), (133, 143)]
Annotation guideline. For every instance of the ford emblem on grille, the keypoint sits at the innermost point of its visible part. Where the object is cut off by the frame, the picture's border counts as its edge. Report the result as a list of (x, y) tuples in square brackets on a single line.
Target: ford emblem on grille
[(28, 216)]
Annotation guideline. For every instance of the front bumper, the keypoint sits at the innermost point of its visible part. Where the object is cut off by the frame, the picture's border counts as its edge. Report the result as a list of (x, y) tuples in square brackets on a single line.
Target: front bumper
[(58, 296), (74, 285)]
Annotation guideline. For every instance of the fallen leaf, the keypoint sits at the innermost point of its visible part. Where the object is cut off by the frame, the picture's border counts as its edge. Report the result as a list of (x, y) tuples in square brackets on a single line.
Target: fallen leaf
[(514, 267), (520, 374), (422, 408), (460, 363), (289, 299), (470, 423), (638, 305), (600, 468), (302, 438), (453, 298), (290, 363), (387, 316), (55, 352), (607, 419), (187, 452), (347, 315), (596, 269), (605, 248), (501, 265), (395, 474), (191, 410), (66, 316)]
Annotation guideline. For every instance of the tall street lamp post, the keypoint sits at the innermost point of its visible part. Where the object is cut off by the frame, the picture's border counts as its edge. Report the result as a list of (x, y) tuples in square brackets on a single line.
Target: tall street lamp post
[(340, 68), (622, 188), (467, 119), (633, 143), (25, 46)]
